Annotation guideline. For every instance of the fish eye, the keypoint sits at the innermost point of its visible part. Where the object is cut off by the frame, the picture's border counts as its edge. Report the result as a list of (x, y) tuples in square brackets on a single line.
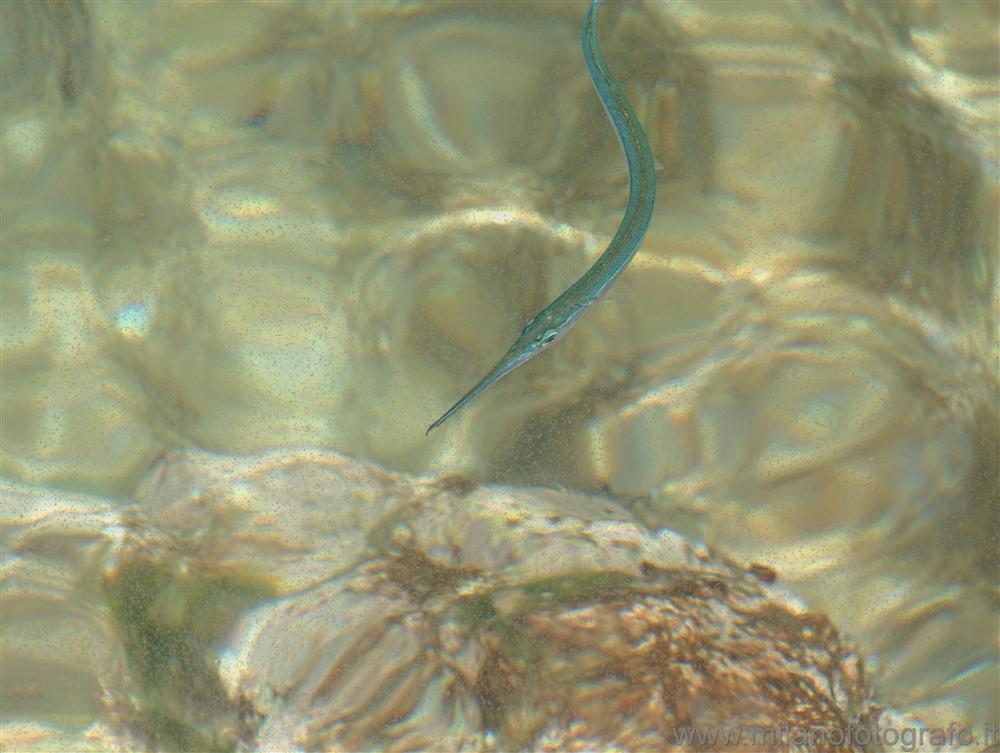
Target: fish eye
[(549, 337)]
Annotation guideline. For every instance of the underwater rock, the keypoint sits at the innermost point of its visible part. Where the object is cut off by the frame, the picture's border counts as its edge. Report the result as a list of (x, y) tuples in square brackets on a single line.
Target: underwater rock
[(303, 600), (448, 616)]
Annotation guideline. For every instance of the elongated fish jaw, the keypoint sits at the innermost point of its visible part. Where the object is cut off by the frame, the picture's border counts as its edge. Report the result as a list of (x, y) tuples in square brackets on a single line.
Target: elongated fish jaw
[(537, 335), (522, 350)]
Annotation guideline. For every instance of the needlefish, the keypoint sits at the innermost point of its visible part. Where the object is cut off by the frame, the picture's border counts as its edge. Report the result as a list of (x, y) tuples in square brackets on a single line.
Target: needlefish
[(556, 318)]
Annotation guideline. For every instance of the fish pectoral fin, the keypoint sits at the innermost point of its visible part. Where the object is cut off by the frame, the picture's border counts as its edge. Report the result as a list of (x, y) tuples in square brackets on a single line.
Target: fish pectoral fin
[(563, 267)]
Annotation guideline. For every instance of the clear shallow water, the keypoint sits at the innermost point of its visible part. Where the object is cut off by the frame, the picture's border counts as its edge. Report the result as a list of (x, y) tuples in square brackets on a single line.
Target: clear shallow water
[(255, 226)]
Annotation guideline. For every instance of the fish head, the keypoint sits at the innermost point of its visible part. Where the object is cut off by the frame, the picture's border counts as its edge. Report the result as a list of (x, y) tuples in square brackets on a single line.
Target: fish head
[(537, 335)]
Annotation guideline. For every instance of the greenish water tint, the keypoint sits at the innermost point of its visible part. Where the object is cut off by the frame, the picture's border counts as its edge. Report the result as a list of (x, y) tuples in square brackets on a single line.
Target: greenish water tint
[(255, 226), (169, 624)]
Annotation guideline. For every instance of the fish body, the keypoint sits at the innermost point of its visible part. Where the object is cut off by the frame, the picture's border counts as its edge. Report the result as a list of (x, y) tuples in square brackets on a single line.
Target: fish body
[(555, 319)]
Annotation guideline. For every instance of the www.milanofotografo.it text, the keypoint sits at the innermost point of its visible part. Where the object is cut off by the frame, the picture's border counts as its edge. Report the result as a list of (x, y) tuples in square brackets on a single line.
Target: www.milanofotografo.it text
[(906, 739)]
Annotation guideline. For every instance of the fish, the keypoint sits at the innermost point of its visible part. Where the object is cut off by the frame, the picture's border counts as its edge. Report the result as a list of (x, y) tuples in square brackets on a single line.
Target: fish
[(555, 319)]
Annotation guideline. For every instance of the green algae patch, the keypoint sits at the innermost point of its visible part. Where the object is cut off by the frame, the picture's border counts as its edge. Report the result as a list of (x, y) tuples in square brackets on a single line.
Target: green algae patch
[(587, 587), (172, 621), (477, 611)]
